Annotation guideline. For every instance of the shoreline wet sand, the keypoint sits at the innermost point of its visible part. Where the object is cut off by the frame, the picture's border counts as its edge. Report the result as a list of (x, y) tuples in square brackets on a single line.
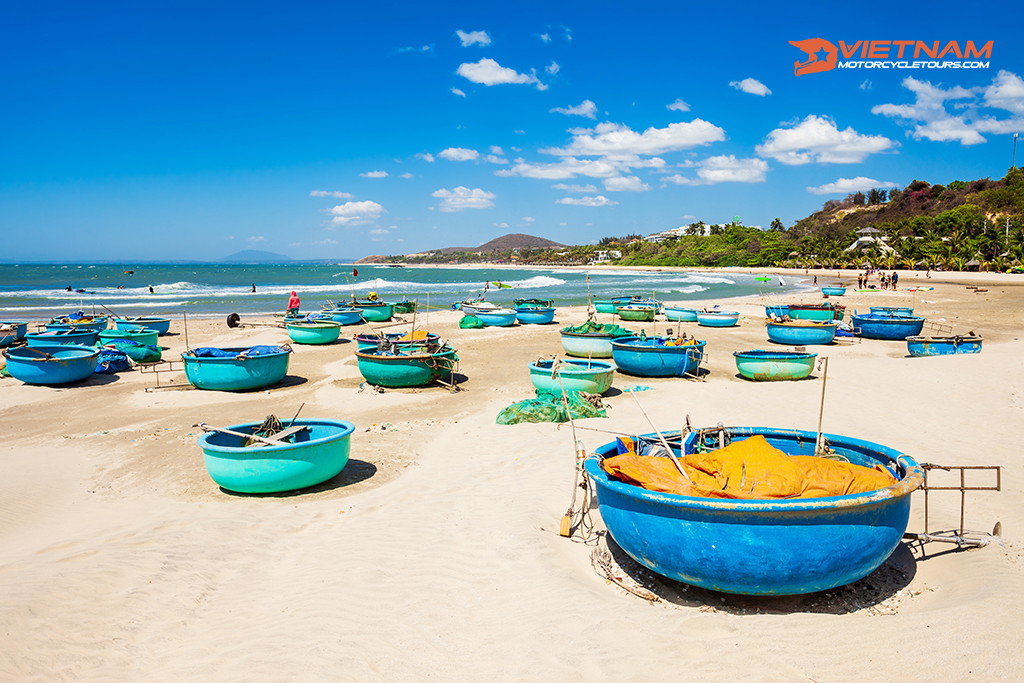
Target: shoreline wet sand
[(436, 555)]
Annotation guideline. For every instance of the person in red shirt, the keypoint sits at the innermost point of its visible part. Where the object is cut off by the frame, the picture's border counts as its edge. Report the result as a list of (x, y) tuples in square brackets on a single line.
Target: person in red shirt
[(293, 304)]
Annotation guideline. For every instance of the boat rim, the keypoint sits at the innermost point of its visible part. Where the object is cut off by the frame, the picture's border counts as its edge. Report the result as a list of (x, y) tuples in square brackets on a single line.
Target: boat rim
[(768, 353), (347, 429)]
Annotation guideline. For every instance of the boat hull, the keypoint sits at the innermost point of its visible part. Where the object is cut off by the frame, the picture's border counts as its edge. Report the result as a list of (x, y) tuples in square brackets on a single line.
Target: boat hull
[(677, 314), (833, 291), (51, 337), (376, 313), (345, 316), (413, 370), (640, 314), (591, 376), (319, 453), (69, 363), (801, 335), (892, 310), (891, 328), (610, 305), (817, 313), (718, 318), (776, 311), (98, 324), (323, 332), (367, 342), (919, 347), (159, 325), (531, 315), (502, 317), (762, 547), (587, 345), (236, 374), (771, 366), (142, 336), (650, 357), (15, 335)]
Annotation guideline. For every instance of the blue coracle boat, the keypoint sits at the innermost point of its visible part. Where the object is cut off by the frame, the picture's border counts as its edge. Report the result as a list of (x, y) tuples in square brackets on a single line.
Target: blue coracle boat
[(892, 310), (314, 331), (12, 331), (51, 365), (718, 318), (943, 346), (345, 316), (159, 325), (99, 324), (655, 357), (80, 336), (833, 291), (237, 368), (317, 453), (680, 314), (778, 311), (801, 333), (535, 315), (762, 547), (366, 341), (591, 376), (611, 305), (891, 327), (762, 366), (499, 317), (407, 366)]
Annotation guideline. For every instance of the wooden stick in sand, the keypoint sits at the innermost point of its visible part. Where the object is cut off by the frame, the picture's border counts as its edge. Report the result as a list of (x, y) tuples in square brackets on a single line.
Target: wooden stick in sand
[(671, 453)]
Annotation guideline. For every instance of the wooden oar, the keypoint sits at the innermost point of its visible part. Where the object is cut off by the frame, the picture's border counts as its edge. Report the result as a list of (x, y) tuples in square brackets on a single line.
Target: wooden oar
[(671, 453), (46, 356), (252, 437)]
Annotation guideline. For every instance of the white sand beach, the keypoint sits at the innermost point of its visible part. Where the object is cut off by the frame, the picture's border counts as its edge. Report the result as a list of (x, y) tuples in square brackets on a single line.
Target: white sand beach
[(435, 555)]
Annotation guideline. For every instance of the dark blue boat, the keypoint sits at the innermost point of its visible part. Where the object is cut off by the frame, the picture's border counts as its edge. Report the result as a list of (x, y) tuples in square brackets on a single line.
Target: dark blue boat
[(943, 346), (762, 547), (885, 326)]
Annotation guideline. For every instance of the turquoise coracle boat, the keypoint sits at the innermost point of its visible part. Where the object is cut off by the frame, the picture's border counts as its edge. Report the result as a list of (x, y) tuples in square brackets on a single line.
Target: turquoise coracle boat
[(51, 365), (159, 325), (374, 311), (366, 341), (833, 291), (762, 366), (801, 333), (139, 336), (74, 335), (718, 318), (558, 376), (345, 316), (237, 368), (407, 366), (12, 331), (499, 317), (592, 340), (761, 547), (678, 314), (535, 315), (66, 323), (610, 305), (318, 451), (657, 356), (314, 332)]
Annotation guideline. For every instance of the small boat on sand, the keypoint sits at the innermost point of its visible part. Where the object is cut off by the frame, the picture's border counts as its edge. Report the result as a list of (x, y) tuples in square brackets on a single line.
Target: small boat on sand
[(236, 368), (558, 376), (81, 336), (658, 356), (409, 366), (944, 346), (890, 327), (826, 311), (591, 339), (637, 312), (801, 332), (761, 366), (12, 331), (314, 332), (680, 314), (716, 318), (51, 365), (159, 325)]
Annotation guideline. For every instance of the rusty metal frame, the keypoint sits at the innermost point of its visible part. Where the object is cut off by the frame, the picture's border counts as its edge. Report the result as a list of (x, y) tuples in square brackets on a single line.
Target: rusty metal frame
[(961, 537), (159, 367)]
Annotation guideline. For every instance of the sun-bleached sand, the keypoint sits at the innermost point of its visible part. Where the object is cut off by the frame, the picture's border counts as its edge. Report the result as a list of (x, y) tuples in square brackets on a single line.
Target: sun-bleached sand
[(435, 555)]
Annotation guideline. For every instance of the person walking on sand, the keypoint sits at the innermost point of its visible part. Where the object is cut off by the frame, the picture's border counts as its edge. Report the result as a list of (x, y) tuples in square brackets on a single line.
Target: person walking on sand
[(894, 279), (293, 304)]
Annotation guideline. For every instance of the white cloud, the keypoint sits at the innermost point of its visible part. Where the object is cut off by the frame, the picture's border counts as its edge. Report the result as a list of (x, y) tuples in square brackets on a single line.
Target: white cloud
[(599, 200), (678, 105), (456, 91), (356, 213), (489, 72), (459, 198), (817, 139), (426, 156), (459, 154), (570, 167), (496, 150), (257, 238), (468, 38), (379, 231), (501, 225), (420, 48), (407, 175), (545, 37), (529, 219), (374, 174), (866, 85), (581, 189), (724, 169), (752, 86), (495, 159), (615, 139), (585, 108), (552, 68), (331, 193), (625, 184), (931, 120), (326, 242), (848, 185)]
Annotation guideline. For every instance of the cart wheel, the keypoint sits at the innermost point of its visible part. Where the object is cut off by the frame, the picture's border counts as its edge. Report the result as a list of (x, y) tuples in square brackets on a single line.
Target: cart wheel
[(233, 319)]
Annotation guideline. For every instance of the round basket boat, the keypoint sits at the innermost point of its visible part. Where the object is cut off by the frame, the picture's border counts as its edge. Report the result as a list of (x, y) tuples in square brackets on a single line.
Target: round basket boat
[(637, 312), (678, 314), (139, 336), (345, 316), (833, 291), (762, 547), (12, 331), (889, 327), (779, 311), (375, 311), (591, 376), (499, 317), (892, 310), (820, 312), (318, 452), (718, 318), (535, 315), (610, 305), (80, 336), (366, 341), (768, 366), (943, 346), (589, 344), (159, 325), (656, 356), (99, 323), (238, 371), (801, 333), (412, 366), (51, 364), (314, 332)]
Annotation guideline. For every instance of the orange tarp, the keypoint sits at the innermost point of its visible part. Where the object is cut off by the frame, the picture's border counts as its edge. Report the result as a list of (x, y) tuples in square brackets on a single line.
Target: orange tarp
[(751, 469)]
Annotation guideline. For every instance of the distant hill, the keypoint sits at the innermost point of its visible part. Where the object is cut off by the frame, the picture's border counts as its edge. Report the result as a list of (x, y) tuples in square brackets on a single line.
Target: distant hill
[(254, 256), (516, 240)]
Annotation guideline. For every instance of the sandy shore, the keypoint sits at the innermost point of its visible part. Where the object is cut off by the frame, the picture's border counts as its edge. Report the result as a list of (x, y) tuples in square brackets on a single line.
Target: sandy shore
[(435, 555)]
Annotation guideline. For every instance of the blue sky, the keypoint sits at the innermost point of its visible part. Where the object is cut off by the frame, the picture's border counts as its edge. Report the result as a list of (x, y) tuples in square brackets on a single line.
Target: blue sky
[(191, 130)]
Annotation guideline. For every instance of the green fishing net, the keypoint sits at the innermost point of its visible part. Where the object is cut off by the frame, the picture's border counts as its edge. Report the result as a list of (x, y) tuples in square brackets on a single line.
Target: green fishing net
[(550, 407), (591, 327), (471, 322)]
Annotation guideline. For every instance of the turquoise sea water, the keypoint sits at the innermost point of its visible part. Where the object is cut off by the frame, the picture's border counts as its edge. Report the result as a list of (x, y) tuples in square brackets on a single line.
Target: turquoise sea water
[(36, 291)]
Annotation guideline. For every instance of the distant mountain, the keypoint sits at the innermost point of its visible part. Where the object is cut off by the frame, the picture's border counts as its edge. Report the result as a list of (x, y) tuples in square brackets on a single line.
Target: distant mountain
[(254, 256), (516, 240)]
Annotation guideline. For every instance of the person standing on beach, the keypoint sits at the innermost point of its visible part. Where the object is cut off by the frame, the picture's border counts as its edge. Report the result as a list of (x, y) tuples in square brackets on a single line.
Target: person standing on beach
[(293, 304), (254, 288), (895, 278)]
